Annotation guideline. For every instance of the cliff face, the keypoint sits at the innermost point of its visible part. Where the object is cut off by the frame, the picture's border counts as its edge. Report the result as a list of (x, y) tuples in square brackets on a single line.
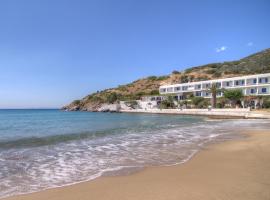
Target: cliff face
[(253, 64)]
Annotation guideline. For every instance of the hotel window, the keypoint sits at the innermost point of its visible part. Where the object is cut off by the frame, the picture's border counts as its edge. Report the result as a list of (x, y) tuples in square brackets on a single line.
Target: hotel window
[(184, 87), (163, 90), (260, 80), (252, 91), (198, 86), (236, 82), (266, 80), (198, 94), (254, 80), (264, 90), (243, 82), (207, 85), (178, 88), (228, 84), (169, 89)]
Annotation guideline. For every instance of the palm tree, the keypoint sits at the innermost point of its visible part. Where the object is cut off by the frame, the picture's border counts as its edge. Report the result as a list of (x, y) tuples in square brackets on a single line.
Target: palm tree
[(214, 90)]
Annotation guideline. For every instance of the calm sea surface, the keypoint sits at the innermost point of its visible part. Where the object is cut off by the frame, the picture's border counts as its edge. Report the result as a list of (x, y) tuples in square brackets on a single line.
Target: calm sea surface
[(41, 149)]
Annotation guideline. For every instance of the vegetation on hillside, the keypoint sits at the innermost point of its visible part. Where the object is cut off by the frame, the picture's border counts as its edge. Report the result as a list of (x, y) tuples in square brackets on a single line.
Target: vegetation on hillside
[(253, 64)]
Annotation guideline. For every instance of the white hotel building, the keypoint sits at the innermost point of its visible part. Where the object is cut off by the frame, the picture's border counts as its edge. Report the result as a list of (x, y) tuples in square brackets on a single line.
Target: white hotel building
[(252, 85)]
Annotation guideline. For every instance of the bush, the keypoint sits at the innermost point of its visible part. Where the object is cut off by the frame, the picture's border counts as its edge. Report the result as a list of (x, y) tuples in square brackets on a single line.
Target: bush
[(167, 103), (175, 72), (188, 70), (221, 102), (161, 78), (204, 104), (266, 102), (154, 92), (111, 97), (197, 100), (76, 102), (152, 78)]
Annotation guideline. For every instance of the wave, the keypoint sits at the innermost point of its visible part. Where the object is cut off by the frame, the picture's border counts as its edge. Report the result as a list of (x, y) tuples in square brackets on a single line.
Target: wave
[(55, 139)]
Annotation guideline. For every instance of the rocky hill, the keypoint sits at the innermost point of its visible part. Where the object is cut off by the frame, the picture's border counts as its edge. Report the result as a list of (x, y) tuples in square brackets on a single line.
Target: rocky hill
[(253, 64)]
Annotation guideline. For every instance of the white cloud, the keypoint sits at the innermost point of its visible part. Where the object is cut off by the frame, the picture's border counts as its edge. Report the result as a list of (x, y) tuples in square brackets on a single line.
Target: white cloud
[(220, 49), (250, 44)]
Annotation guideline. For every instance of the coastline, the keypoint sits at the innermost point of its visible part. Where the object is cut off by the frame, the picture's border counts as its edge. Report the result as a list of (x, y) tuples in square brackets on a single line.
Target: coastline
[(240, 113), (237, 169)]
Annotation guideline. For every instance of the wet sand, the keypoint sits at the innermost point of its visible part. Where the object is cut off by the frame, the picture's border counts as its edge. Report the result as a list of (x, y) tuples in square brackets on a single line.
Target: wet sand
[(238, 169)]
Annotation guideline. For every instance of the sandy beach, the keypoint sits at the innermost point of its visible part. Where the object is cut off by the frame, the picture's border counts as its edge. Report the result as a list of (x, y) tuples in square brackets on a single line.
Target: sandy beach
[(236, 169)]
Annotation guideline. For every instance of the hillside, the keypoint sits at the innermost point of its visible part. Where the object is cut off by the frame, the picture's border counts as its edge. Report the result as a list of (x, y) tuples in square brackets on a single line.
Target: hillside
[(253, 64)]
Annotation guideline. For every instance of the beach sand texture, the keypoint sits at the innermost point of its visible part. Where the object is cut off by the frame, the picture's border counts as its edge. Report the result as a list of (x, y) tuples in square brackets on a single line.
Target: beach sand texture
[(237, 170)]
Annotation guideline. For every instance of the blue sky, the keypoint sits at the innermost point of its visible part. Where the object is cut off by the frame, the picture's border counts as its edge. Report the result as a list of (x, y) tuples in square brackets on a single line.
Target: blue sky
[(55, 51)]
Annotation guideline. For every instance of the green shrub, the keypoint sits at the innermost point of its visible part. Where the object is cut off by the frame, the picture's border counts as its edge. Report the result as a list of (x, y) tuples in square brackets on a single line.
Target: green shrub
[(76, 102), (152, 78), (197, 100), (189, 70), (111, 97), (167, 103), (266, 102), (154, 92), (161, 78), (204, 104), (175, 72)]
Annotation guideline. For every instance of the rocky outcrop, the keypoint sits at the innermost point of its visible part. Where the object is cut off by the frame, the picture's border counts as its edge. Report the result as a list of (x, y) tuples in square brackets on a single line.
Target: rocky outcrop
[(94, 107)]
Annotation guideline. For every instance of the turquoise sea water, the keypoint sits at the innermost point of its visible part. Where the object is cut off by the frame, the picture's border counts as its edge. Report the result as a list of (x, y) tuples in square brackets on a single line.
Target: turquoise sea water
[(41, 149)]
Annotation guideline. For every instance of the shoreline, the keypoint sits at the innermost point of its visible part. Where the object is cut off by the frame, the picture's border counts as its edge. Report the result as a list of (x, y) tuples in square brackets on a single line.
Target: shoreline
[(213, 113), (234, 159)]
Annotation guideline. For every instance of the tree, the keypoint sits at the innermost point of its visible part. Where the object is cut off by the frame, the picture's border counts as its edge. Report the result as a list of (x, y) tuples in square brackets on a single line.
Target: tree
[(214, 90), (167, 103), (233, 95)]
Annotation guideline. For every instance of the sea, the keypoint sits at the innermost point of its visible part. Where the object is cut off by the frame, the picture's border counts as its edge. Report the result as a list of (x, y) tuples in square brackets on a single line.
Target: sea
[(41, 149)]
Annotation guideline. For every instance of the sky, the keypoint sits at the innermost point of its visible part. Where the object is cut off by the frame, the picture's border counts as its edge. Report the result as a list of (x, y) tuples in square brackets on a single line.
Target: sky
[(55, 51)]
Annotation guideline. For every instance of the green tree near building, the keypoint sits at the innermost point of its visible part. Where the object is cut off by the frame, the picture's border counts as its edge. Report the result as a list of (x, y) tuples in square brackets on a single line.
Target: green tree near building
[(234, 95)]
